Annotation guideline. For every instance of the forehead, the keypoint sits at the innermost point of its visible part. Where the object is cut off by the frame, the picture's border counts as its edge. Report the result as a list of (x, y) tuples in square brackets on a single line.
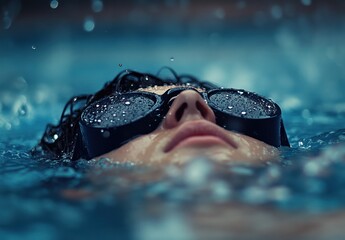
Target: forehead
[(162, 89)]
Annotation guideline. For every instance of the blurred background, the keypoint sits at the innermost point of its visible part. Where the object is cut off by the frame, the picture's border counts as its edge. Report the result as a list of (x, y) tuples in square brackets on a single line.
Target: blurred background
[(291, 51)]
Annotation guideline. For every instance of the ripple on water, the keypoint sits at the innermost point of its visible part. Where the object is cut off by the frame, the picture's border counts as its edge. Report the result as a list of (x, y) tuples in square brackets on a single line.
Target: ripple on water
[(31, 191)]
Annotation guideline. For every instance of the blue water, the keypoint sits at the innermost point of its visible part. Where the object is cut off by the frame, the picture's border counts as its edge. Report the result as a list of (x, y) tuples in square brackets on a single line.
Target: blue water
[(292, 53)]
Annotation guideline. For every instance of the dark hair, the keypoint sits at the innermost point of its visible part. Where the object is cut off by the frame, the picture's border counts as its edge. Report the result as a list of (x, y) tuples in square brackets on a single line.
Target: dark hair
[(58, 141)]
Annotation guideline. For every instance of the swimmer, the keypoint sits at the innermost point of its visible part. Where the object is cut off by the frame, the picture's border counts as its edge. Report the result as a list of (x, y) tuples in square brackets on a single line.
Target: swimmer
[(142, 118)]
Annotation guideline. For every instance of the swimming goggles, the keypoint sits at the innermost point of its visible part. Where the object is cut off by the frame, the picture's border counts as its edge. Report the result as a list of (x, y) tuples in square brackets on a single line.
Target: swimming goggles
[(116, 119)]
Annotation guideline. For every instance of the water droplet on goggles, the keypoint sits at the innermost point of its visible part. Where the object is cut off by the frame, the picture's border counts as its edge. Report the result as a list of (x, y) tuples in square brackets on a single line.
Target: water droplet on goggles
[(241, 103), (118, 110)]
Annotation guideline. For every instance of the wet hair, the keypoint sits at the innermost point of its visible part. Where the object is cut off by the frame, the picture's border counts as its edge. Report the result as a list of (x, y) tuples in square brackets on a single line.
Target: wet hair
[(58, 141)]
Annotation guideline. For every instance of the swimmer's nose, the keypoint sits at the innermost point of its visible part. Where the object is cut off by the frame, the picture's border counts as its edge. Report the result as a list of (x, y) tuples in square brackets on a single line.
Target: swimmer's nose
[(188, 106)]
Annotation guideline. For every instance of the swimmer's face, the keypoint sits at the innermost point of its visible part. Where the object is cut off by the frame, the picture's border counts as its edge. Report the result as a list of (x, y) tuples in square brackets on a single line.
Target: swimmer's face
[(189, 131)]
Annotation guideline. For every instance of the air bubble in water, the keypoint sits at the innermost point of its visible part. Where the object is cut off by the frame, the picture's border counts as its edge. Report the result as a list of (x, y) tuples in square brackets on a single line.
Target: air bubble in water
[(127, 103), (54, 4), (89, 24), (172, 59), (33, 47), (243, 113)]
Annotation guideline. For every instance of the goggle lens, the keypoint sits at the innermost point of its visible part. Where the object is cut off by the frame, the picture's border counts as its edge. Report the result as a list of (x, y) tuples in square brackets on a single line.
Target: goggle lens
[(118, 110), (242, 104)]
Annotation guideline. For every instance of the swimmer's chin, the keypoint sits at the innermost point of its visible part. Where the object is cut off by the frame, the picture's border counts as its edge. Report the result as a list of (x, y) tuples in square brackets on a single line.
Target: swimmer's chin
[(184, 156)]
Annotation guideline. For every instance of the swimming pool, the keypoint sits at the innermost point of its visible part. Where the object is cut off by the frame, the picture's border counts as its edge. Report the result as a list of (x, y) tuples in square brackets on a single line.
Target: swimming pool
[(292, 53)]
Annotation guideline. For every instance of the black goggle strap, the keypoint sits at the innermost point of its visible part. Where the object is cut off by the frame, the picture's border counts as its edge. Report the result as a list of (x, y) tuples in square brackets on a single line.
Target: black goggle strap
[(79, 150), (173, 92), (283, 136)]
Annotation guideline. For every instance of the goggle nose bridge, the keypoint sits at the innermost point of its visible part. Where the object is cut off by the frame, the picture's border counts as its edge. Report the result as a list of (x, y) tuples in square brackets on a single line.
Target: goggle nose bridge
[(170, 95)]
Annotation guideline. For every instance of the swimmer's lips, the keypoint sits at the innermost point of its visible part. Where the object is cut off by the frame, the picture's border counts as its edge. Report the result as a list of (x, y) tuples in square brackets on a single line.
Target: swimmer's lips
[(199, 133)]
